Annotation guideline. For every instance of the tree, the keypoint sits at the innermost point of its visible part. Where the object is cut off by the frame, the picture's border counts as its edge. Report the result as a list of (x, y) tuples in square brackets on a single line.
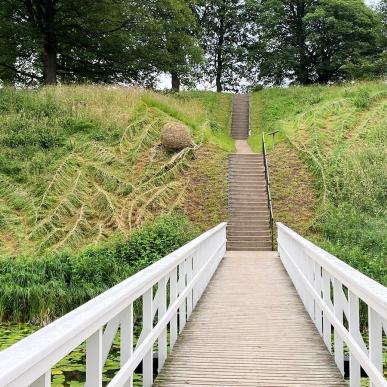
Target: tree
[(382, 8), (224, 35), (311, 41), (97, 41), (341, 33), (175, 45)]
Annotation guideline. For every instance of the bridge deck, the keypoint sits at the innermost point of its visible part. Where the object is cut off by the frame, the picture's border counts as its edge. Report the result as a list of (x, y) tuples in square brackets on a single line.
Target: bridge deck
[(250, 329)]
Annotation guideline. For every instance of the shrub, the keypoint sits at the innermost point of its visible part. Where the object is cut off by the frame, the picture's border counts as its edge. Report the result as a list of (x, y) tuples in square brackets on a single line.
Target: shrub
[(41, 289)]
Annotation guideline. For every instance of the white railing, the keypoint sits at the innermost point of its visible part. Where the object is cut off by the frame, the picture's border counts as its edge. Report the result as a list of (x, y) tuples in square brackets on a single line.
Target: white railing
[(169, 288), (330, 291)]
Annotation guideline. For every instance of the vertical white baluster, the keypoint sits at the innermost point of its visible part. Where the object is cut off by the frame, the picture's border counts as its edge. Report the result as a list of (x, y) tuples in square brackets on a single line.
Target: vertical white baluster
[(317, 287), (354, 330), (173, 297), (162, 341), (310, 277), (375, 339), (188, 265), (195, 293), (94, 360), (147, 326), (200, 257), (126, 345), (327, 301), (181, 285), (338, 310), (43, 381)]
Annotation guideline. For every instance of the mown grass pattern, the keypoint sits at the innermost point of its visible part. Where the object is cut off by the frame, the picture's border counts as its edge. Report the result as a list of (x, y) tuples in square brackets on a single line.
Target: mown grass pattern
[(79, 164), (340, 133)]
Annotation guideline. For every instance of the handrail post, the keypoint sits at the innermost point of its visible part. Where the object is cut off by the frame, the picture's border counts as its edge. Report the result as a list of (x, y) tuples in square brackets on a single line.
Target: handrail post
[(267, 179), (147, 322), (43, 381), (94, 360), (162, 342), (173, 297), (126, 345)]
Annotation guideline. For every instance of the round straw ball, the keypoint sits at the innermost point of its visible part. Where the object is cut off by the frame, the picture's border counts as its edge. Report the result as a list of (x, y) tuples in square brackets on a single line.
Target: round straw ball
[(175, 136)]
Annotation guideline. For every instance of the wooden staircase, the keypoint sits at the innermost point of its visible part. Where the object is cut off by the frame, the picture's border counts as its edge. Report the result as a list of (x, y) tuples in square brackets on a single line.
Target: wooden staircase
[(240, 117), (248, 214)]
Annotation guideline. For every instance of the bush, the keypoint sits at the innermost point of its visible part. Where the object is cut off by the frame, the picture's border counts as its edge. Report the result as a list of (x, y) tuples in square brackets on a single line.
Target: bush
[(39, 290)]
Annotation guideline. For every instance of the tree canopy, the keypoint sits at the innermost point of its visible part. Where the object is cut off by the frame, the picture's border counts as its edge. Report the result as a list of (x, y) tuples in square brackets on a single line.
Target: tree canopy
[(227, 43), (313, 41)]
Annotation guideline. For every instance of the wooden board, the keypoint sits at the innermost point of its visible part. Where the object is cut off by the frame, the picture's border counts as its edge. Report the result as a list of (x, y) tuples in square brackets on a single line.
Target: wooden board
[(250, 329)]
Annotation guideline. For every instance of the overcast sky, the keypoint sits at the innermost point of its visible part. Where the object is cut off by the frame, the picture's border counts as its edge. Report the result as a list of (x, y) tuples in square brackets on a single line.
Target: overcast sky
[(371, 2)]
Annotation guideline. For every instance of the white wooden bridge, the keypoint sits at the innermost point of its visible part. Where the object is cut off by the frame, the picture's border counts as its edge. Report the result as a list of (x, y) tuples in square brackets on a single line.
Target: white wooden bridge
[(217, 318)]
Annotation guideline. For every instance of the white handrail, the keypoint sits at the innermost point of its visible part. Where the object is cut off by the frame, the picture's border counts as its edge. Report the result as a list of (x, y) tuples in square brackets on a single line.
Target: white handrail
[(180, 277), (330, 290)]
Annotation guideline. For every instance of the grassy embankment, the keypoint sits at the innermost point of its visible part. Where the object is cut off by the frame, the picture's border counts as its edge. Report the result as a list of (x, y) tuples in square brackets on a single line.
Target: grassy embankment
[(88, 196), (329, 167)]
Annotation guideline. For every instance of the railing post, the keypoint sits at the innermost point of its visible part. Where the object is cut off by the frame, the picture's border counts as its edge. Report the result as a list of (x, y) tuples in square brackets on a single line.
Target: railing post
[(43, 381), (126, 345), (147, 325), (310, 276), (317, 288), (181, 286), (195, 265), (375, 340), (173, 297), (162, 341), (267, 179), (94, 360), (188, 265), (338, 310), (327, 327), (354, 326)]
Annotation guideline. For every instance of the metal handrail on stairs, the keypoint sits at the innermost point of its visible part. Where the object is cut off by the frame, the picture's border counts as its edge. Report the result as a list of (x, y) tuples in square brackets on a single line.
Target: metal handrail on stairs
[(267, 178)]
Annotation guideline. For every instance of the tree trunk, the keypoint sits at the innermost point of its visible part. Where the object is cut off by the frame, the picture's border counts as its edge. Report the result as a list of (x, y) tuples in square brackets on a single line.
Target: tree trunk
[(219, 69), (219, 58), (175, 81), (302, 70), (49, 62)]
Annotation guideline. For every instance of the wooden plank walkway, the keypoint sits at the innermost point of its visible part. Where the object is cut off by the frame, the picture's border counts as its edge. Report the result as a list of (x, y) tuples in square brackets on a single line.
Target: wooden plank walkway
[(250, 329)]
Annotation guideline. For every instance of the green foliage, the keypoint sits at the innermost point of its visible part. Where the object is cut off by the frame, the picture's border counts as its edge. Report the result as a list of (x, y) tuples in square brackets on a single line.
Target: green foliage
[(224, 37), (40, 289), (339, 132), (315, 41), (81, 164), (104, 41), (176, 49), (218, 107), (213, 123)]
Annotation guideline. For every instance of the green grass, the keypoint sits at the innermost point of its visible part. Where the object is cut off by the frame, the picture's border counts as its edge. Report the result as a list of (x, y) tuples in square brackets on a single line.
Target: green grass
[(219, 108), (81, 164), (83, 179), (339, 133)]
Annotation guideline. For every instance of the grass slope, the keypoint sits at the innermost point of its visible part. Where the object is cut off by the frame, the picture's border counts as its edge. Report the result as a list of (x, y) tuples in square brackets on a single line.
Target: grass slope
[(336, 146), (88, 196), (80, 164)]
